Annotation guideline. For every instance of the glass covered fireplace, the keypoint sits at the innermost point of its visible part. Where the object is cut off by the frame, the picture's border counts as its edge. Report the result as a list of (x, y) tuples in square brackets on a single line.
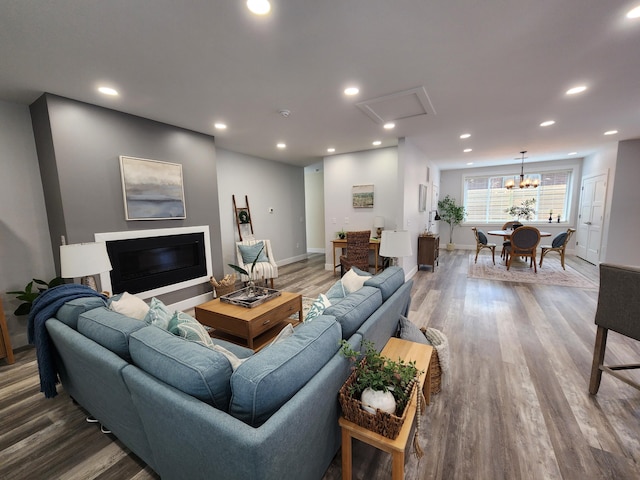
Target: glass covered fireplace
[(154, 262)]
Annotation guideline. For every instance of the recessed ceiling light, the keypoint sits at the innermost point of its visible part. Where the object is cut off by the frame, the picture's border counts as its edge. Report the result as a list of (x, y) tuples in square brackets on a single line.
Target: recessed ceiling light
[(572, 153), (634, 13), (574, 90), (465, 135), (469, 163), (389, 125), (377, 142), (108, 91), (351, 91), (281, 145), (611, 132), (467, 150), (220, 126), (331, 150), (547, 123), (259, 7)]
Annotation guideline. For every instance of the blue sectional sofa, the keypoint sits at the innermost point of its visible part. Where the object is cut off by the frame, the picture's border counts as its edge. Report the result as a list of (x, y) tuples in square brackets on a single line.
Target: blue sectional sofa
[(181, 408)]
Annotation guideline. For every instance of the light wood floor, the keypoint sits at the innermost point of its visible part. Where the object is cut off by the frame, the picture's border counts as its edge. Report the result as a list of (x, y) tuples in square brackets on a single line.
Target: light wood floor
[(515, 405)]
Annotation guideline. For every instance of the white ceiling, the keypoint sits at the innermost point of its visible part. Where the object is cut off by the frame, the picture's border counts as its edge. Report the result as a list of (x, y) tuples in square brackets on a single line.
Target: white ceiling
[(492, 68)]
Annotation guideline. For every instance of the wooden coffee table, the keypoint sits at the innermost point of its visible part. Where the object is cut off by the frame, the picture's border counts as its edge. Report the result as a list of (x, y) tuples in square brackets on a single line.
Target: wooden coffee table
[(250, 327)]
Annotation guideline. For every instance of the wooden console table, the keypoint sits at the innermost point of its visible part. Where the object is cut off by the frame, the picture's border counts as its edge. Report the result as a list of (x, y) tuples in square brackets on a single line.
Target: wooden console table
[(342, 243), (5, 343), (394, 349)]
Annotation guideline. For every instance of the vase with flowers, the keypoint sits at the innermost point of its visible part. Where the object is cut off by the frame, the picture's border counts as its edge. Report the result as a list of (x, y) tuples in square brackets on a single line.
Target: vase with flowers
[(523, 211)]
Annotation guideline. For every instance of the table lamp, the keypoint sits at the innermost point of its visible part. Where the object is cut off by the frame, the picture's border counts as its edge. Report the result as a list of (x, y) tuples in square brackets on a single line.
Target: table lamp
[(395, 244), (84, 260), (378, 224)]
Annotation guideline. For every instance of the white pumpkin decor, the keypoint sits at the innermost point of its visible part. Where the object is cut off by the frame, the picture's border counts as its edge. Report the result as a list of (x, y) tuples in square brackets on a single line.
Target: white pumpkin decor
[(372, 399)]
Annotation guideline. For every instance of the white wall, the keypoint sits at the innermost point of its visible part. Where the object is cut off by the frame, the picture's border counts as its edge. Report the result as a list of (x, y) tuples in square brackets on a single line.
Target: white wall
[(451, 183), (314, 207), (267, 184), (624, 224), (341, 172), (25, 248)]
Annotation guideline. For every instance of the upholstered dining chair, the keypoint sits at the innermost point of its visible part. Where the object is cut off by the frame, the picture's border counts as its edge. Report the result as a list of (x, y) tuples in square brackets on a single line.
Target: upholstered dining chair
[(357, 251), (559, 244), (266, 266), (617, 310), (524, 243), (506, 242), (481, 242)]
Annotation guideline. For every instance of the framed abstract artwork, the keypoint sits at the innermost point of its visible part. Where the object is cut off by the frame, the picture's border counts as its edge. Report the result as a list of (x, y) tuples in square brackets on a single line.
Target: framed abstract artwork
[(152, 190), (422, 197), (362, 196)]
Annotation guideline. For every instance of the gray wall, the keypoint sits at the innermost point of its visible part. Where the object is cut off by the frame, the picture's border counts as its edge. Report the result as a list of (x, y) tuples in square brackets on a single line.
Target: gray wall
[(267, 184), (78, 149), (25, 249)]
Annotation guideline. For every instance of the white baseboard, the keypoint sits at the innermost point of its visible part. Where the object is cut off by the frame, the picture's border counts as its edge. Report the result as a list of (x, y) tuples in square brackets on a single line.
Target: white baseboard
[(287, 261), (315, 250)]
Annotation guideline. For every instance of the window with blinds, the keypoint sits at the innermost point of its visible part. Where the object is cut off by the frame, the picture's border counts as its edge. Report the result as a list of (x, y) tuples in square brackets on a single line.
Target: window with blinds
[(486, 199)]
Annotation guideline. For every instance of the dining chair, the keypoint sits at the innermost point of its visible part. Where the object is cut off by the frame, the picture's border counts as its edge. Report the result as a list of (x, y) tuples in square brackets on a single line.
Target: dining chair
[(617, 310), (357, 254), (481, 242), (524, 243), (559, 244), (506, 242)]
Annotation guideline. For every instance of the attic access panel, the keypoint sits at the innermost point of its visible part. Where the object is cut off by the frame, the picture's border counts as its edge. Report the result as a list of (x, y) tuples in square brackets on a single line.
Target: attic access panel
[(396, 106)]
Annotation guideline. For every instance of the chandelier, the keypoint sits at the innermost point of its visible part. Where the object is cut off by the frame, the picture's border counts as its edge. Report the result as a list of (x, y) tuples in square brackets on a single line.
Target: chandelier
[(524, 182)]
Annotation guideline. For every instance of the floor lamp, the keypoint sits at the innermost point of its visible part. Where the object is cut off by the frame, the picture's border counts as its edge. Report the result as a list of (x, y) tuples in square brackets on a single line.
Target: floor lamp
[(84, 260), (395, 244)]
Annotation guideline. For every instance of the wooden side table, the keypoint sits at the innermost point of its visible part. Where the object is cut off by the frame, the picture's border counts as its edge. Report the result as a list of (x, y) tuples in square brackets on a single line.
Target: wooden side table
[(394, 349), (428, 250), (5, 342)]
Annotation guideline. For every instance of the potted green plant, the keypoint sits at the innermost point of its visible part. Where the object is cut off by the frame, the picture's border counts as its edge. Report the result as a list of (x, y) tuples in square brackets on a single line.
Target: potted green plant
[(380, 379), (524, 210), (239, 269), (28, 295), (342, 234), (451, 213)]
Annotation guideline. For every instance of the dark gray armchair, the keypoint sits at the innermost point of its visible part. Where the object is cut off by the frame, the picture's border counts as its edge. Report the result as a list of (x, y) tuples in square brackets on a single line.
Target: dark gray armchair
[(618, 310)]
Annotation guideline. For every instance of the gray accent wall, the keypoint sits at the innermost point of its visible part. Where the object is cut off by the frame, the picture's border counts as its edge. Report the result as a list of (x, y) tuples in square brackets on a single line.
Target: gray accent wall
[(78, 147), (25, 249)]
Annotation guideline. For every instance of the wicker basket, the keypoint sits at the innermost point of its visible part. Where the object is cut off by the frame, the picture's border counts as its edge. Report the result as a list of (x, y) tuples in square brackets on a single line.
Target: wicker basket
[(225, 288), (436, 371), (386, 424)]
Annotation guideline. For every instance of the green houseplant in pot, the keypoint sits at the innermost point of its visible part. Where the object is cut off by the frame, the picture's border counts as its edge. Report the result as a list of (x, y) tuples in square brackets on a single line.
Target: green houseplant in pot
[(451, 213), (379, 381)]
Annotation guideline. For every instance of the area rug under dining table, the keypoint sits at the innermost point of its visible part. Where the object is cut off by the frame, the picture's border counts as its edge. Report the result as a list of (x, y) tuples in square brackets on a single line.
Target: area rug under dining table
[(551, 272)]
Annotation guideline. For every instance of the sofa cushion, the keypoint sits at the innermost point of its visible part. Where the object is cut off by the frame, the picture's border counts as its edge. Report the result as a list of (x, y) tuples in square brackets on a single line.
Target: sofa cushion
[(353, 282), (109, 329), (267, 380), (185, 326), (70, 311), (388, 281), (355, 308), (188, 366), (129, 305), (336, 292), (158, 314), (410, 331)]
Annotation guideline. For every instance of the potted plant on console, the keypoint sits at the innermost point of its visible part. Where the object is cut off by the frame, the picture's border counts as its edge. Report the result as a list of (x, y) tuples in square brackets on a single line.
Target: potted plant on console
[(453, 214), (378, 385)]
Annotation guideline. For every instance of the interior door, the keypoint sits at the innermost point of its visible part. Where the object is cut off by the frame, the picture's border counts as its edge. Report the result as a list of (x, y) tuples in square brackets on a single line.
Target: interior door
[(591, 217)]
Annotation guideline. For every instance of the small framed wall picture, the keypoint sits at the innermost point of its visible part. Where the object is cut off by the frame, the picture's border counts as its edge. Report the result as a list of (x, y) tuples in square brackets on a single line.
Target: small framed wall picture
[(362, 196)]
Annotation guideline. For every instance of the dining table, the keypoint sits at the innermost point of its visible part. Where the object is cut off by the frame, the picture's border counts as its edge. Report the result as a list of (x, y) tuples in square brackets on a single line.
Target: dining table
[(507, 233)]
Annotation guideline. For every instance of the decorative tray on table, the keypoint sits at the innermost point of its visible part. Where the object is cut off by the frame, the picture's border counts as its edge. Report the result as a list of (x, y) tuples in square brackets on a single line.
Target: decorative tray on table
[(250, 297)]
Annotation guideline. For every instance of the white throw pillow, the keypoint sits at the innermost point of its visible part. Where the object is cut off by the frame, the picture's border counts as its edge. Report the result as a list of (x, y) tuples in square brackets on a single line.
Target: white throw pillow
[(286, 332), (234, 360), (130, 305), (353, 282)]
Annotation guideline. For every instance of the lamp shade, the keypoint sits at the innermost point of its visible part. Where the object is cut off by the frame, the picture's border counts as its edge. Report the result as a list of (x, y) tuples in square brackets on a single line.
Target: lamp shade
[(378, 222), (82, 259), (395, 243)]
